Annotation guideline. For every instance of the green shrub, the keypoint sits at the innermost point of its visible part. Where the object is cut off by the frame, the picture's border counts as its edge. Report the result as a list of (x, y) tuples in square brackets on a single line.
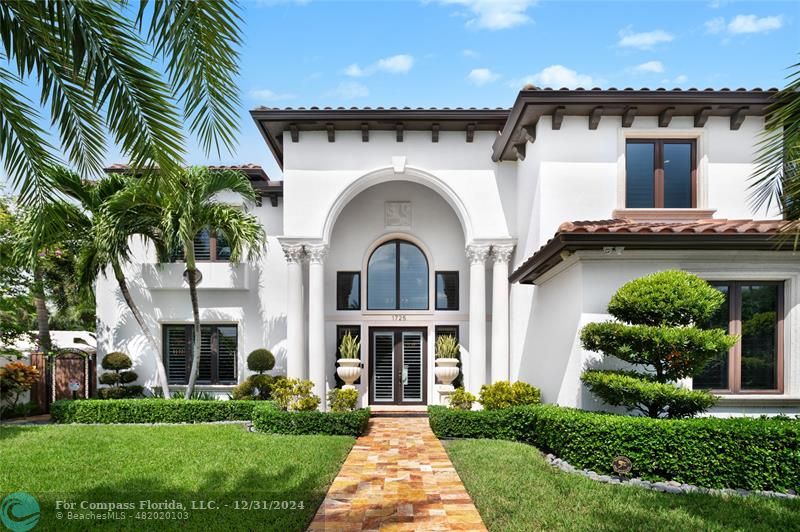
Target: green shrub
[(116, 361), (447, 346), (671, 298), (244, 391), (294, 395), (503, 394), (260, 360), (748, 453), (121, 392), (110, 378), (350, 347), (126, 377), (272, 420), (150, 411), (634, 392), (659, 317), (342, 400), (461, 399)]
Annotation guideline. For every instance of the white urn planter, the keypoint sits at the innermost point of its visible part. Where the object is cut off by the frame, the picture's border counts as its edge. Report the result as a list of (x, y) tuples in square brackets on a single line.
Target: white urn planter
[(349, 370), (446, 370)]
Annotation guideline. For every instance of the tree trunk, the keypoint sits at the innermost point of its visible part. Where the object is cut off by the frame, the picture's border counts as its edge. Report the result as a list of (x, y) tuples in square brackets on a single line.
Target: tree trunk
[(161, 373), (42, 314), (196, 340)]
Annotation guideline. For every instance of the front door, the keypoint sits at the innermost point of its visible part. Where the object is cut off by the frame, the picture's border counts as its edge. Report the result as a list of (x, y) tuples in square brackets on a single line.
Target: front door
[(397, 366)]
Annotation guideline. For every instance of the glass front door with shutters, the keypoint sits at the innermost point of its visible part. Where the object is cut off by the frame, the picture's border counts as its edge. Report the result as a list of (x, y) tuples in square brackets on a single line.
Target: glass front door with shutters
[(397, 366)]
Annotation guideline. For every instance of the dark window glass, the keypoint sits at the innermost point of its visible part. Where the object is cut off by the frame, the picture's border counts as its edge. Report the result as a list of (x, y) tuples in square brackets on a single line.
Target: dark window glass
[(218, 353), (677, 175), (446, 290), (348, 291), (413, 278), (639, 175), (451, 330), (397, 277), (223, 248), (759, 336), (755, 316), (715, 375)]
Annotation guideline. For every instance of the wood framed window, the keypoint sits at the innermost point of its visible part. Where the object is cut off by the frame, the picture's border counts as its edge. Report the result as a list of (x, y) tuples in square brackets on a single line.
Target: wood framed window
[(348, 290), (754, 311), (661, 173), (208, 247), (447, 288), (218, 353)]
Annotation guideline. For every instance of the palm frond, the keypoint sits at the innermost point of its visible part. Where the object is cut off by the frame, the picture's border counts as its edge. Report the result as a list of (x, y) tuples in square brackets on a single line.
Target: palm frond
[(242, 231), (199, 42)]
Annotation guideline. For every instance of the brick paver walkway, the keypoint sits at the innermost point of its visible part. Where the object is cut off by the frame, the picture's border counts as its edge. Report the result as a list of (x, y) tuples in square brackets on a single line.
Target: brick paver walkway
[(397, 477)]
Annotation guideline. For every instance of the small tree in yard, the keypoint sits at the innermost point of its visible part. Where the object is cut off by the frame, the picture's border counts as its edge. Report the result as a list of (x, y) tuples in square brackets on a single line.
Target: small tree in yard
[(658, 328)]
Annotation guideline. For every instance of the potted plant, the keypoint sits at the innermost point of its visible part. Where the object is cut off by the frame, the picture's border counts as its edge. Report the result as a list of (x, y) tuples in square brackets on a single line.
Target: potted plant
[(349, 369), (447, 350)]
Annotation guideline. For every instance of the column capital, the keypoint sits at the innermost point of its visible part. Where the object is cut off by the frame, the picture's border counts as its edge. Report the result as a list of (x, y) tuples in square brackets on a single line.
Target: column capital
[(501, 253), (316, 253), (477, 253), (293, 252)]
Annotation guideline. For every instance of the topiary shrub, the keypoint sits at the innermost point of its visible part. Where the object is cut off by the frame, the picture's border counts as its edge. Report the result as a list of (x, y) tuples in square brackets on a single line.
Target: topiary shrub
[(503, 394), (260, 360), (342, 400), (117, 378), (244, 391), (658, 328), (461, 399), (294, 395)]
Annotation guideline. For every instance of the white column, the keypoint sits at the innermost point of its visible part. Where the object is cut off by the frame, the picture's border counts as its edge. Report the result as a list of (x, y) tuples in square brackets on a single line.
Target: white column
[(295, 353), (477, 254), (500, 254), (316, 319)]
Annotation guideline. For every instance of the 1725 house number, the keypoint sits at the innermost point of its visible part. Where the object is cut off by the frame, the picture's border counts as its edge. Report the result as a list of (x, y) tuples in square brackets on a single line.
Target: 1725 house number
[(398, 317)]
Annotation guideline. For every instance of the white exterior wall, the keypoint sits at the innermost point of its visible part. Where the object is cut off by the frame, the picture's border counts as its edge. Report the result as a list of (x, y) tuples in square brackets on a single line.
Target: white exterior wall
[(251, 296)]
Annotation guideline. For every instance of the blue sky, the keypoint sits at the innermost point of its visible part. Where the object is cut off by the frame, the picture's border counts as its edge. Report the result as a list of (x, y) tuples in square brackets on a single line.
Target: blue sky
[(481, 52)]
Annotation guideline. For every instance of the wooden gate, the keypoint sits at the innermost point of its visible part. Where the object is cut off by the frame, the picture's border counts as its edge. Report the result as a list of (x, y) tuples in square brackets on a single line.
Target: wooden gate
[(65, 370)]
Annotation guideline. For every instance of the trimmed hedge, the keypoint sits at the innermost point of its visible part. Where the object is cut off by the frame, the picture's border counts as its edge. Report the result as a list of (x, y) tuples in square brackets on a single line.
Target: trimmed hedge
[(268, 418), (150, 411), (749, 453)]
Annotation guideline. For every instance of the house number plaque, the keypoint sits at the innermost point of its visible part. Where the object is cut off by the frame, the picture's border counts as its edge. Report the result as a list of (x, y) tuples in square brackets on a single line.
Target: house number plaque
[(398, 317)]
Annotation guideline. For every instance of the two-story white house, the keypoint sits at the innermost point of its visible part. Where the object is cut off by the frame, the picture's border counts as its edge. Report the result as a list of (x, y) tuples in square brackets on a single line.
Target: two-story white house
[(510, 229)]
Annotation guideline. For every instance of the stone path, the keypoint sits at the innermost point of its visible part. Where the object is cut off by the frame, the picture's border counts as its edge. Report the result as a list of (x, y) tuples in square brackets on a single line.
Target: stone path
[(397, 477)]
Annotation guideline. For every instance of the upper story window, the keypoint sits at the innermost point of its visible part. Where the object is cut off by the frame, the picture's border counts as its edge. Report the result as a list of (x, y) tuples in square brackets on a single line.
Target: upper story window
[(397, 277), (208, 246), (754, 312), (660, 173)]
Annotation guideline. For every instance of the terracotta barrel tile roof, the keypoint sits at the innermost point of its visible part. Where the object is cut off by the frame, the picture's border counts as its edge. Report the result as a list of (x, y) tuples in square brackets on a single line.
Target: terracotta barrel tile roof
[(708, 234)]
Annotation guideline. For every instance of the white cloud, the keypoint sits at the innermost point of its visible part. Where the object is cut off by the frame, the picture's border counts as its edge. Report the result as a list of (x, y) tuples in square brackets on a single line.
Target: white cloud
[(715, 25), (678, 80), (650, 67), (644, 40), (267, 95), (753, 24), (494, 14), (482, 76), (350, 90), (466, 52), (683, 78), (395, 64), (555, 76)]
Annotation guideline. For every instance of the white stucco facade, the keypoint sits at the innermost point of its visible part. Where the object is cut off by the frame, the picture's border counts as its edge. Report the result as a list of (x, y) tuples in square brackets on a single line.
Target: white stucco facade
[(353, 182)]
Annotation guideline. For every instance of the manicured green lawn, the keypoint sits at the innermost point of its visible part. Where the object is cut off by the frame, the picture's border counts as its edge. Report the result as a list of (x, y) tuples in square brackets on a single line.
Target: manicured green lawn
[(515, 489), (128, 464)]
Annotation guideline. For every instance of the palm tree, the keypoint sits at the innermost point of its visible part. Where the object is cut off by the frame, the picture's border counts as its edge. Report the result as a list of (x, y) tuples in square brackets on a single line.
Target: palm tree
[(187, 204), (777, 176), (93, 65), (106, 245)]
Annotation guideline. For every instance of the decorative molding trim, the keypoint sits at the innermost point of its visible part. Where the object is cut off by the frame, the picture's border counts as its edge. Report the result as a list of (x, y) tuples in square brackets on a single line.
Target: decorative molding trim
[(558, 117), (594, 117), (628, 115), (331, 131), (316, 253), (501, 253), (477, 253), (737, 118), (293, 252), (364, 132), (701, 117)]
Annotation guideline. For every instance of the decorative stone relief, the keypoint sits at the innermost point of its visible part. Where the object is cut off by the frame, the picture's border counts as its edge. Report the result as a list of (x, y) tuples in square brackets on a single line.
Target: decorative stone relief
[(316, 253), (397, 214), (293, 252), (477, 253), (501, 253)]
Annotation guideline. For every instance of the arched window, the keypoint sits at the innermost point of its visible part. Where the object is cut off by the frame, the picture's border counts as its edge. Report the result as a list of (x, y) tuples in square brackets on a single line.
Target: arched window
[(397, 277)]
